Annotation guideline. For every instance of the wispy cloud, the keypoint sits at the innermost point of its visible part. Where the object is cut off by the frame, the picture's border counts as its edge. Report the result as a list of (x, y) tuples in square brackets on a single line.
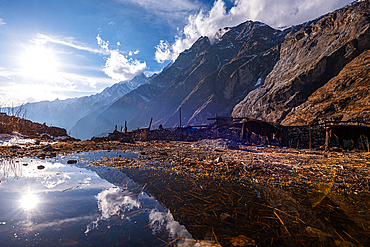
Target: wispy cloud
[(166, 5), (271, 12), (29, 225), (2, 22), (42, 39), (169, 11), (5, 73), (118, 66)]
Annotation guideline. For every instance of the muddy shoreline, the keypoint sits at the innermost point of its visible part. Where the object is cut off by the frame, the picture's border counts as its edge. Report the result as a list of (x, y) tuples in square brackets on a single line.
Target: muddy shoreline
[(346, 172)]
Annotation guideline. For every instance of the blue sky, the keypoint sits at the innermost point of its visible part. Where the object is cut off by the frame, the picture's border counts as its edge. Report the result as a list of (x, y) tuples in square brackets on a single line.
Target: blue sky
[(69, 48)]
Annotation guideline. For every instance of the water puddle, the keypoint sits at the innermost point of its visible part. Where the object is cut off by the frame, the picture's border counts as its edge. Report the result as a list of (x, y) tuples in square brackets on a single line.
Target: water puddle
[(67, 202)]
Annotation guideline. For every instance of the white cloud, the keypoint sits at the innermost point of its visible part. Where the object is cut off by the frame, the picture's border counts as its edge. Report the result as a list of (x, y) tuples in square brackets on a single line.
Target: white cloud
[(163, 52), (5, 73), (118, 66), (2, 22), (17, 90), (272, 12)]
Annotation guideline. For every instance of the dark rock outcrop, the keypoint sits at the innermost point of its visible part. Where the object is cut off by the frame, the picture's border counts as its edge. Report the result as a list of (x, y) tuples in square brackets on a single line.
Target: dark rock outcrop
[(346, 97)]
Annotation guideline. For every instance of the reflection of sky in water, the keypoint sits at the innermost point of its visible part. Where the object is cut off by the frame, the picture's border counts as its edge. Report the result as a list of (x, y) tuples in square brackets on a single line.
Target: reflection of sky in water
[(72, 205)]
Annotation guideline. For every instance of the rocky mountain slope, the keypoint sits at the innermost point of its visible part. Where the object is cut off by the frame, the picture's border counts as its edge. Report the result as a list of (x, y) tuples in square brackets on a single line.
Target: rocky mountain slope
[(318, 69), (313, 57), (66, 113)]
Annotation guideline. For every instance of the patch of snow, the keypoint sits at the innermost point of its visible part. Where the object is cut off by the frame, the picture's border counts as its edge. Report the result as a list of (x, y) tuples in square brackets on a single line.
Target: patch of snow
[(61, 137), (258, 82), (14, 139), (282, 28), (144, 98)]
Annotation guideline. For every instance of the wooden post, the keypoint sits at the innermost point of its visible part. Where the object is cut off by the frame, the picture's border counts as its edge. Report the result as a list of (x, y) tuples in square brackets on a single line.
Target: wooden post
[(309, 136), (243, 134), (326, 138), (180, 115), (125, 127), (150, 124), (146, 132)]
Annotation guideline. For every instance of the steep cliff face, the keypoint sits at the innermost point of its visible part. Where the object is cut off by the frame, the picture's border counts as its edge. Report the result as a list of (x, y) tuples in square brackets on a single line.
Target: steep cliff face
[(345, 97), (309, 58)]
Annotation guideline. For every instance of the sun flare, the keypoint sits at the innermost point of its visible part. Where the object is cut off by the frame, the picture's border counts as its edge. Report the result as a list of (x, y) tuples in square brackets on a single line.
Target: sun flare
[(39, 62), (29, 201)]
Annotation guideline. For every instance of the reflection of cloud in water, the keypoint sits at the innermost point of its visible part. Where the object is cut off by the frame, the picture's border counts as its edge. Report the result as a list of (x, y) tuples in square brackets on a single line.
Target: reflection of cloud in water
[(51, 182), (32, 226), (113, 201), (159, 221)]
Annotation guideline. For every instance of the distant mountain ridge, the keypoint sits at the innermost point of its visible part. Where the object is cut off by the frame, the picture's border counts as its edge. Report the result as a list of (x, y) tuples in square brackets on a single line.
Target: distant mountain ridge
[(65, 113)]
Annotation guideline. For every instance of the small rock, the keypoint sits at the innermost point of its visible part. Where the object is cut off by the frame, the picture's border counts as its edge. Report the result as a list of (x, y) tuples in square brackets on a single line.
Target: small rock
[(71, 161), (25, 164), (48, 148), (42, 156), (40, 167), (53, 155), (242, 240)]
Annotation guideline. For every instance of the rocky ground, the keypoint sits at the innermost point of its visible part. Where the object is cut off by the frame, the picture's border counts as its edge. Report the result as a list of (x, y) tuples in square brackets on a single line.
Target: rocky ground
[(346, 171)]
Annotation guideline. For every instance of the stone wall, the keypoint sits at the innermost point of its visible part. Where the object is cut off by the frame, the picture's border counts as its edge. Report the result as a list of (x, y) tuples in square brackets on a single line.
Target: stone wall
[(165, 134), (299, 137), (292, 136)]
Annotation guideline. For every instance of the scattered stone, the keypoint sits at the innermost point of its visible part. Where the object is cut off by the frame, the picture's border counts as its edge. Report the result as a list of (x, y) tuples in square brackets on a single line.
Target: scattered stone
[(242, 240), (40, 167), (218, 160), (48, 148), (323, 236), (216, 144), (42, 156), (71, 161), (25, 164)]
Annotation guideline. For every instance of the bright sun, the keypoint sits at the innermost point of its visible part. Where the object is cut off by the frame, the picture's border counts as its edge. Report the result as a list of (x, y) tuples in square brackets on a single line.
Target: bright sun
[(29, 201), (39, 62)]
